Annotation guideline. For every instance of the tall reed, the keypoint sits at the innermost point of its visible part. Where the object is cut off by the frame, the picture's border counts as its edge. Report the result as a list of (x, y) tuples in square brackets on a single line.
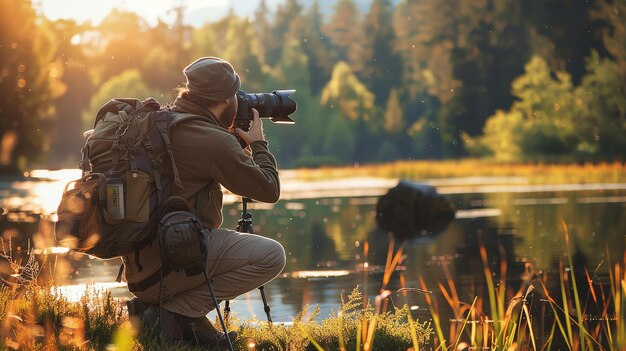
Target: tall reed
[(516, 328)]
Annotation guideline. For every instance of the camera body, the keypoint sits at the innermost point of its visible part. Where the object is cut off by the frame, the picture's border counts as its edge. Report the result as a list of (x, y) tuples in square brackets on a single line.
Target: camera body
[(277, 106)]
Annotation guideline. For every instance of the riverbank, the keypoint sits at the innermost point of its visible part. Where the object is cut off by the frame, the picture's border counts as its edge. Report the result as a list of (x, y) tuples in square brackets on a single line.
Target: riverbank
[(37, 318), (531, 173), (326, 222)]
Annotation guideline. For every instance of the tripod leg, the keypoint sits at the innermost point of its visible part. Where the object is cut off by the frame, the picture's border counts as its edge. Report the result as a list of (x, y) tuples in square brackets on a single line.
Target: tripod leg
[(266, 307), (226, 309), (219, 313)]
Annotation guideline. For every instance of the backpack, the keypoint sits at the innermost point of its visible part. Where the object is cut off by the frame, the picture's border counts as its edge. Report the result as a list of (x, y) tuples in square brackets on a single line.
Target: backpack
[(128, 167)]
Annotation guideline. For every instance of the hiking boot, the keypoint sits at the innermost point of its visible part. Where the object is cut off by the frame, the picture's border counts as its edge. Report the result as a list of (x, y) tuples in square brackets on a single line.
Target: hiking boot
[(201, 332), (136, 307), (162, 323), (176, 328)]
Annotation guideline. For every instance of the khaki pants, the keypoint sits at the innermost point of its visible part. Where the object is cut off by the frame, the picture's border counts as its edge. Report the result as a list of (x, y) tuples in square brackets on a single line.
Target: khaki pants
[(237, 262)]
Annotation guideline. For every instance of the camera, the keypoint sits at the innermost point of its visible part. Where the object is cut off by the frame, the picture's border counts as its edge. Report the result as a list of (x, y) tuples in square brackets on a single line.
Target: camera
[(277, 106)]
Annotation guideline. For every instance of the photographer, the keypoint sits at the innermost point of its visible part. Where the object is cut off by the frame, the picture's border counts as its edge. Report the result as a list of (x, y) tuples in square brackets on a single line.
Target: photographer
[(209, 156)]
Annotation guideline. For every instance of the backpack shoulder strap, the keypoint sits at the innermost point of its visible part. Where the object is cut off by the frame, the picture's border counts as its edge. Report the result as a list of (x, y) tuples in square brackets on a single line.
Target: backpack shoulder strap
[(164, 121)]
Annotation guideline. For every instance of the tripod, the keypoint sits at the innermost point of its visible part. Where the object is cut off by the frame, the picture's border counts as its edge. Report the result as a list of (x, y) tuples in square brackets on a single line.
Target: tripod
[(244, 225)]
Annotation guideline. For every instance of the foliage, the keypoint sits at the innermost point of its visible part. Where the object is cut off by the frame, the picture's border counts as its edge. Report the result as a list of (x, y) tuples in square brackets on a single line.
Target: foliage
[(375, 62), (603, 96), (425, 79), (524, 324), (342, 29), (392, 329), (28, 83), (43, 317), (345, 92), (394, 119), (538, 173), (244, 54), (80, 87), (128, 83), (552, 118)]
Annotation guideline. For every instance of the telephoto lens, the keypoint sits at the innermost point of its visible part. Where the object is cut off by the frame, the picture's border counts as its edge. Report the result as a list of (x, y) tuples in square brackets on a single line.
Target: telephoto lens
[(277, 106)]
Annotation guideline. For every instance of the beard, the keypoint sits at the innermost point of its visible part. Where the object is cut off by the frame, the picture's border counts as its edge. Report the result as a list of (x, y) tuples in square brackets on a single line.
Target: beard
[(227, 117)]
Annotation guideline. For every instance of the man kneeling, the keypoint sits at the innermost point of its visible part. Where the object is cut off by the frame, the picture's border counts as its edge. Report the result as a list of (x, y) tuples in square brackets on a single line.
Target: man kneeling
[(208, 155)]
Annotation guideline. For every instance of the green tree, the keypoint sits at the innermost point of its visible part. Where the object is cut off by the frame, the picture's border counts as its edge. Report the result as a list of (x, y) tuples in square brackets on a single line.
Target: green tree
[(605, 84), (426, 38), (376, 63), (355, 103), (203, 42), (28, 83), (123, 34), (492, 49), (342, 29), (557, 22), (602, 131), (293, 68), (243, 52), (346, 93), (339, 139), (316, 47), (541, 124), (66, 132), (502, 138), (614, 14), (127, 84), (263, 29), (293, 71), (394, 118), (288, 24), (166, 56)]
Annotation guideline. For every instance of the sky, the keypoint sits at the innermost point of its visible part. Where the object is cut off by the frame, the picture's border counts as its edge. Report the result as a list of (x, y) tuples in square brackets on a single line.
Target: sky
[(198, 11), (151, 10)]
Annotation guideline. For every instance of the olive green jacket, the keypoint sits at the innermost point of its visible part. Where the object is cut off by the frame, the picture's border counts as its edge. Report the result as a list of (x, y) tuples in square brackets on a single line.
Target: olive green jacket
[(208, 156)]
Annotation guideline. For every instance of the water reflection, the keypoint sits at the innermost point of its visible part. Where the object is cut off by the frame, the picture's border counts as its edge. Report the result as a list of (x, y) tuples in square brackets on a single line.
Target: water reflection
[(333, 245)]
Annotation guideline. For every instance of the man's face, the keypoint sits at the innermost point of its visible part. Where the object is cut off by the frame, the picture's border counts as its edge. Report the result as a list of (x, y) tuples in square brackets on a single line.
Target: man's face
[(228, 115)]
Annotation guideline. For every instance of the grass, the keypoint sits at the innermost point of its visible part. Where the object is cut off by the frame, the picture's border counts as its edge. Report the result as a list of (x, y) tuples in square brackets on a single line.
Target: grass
[(535, 173), (517, 328), (39, 318)]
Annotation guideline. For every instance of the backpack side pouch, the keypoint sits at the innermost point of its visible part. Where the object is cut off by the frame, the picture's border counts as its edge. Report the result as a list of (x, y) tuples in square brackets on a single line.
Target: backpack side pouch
[(138, 191), (79, 213)]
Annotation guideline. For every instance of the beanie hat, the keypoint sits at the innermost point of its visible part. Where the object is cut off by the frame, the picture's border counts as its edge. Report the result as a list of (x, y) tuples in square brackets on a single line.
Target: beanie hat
[(212, 78)]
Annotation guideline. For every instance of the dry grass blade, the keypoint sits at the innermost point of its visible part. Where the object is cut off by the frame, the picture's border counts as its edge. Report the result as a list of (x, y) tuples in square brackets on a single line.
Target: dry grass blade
[(577, 304), (432, 306), (464, 324), (591, 288), (391, 264)]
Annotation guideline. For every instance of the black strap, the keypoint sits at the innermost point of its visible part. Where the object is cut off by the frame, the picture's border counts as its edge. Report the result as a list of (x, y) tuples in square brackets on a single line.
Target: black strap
[(190, 272), (137, 262), (164, 129), (149, 281), (119, 274), (84, 164)]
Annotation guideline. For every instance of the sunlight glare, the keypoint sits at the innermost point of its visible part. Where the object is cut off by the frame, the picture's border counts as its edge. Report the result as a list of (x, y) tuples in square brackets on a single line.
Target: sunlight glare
[(150, 10), (75, 292)]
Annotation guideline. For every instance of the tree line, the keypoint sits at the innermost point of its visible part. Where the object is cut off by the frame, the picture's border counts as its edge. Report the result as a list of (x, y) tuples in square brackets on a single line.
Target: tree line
[(514, 81)]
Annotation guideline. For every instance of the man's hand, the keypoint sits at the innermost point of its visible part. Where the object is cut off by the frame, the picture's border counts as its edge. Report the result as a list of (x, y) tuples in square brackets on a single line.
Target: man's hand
[(255, 133)]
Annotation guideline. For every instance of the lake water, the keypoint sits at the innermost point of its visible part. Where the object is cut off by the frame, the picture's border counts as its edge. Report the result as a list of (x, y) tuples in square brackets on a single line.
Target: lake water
[(333, 244)]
